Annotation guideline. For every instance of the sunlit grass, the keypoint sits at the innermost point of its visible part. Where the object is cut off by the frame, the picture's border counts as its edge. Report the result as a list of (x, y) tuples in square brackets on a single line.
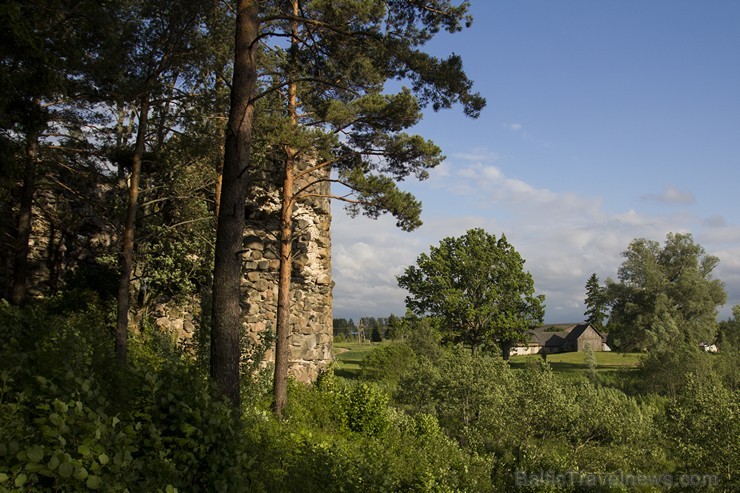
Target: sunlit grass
[(604, 360), (348, 356), (571, 366)]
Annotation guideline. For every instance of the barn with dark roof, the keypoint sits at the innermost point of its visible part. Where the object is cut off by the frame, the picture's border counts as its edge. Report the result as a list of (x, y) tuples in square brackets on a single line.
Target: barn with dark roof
[(561, 338)]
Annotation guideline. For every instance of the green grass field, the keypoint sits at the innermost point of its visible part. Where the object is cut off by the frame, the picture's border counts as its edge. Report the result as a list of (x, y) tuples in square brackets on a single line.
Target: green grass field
[(349, 355), (569, 361), (571, 366)]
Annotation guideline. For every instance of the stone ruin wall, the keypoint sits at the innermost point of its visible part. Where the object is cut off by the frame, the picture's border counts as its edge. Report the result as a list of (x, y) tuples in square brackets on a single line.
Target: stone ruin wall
[(53, 253), (310, 338)]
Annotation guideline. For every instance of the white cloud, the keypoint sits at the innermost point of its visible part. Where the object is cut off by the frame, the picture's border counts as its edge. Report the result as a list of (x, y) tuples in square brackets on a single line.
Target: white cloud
[(514, 126), (475, 155), (728, 271), (718, 231), (366, 256), (564, 237), (671, 195)]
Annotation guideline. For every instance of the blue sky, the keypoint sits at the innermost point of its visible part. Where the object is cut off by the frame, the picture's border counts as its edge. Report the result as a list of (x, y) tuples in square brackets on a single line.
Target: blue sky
[(606, 121)]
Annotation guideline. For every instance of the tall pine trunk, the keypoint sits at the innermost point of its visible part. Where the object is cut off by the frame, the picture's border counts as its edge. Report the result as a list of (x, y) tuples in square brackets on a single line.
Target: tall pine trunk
[(23, 232), (225, 330), (129, 232), (280, 382)]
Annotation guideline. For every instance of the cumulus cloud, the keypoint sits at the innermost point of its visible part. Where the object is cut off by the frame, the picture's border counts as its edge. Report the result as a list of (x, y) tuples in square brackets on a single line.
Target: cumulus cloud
[(366, 257), (671, 195), (728, 271), (564, 237), (491, 186), (475, 156), (718, 231)]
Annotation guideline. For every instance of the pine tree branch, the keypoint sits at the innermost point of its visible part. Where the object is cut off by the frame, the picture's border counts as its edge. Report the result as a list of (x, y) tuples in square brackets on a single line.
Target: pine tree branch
[(300, 195), (312, 22), (316, 168), (282, 85), (173, 226), (342, 198)]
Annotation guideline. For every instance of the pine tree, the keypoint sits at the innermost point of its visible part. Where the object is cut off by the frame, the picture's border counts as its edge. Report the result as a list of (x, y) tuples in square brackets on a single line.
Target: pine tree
[(225, 348), (595, 303), (318, 71), (45, 49)]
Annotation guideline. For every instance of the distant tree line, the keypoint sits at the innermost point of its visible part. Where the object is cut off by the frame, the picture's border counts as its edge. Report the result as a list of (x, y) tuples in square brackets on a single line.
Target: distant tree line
[(372, 329)]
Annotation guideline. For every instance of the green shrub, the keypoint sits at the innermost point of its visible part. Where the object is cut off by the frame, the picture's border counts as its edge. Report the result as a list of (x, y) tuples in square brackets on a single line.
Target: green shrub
[(342, 436), (727, 366), (387, 363), (665, 372), (72, 419), (366, 409), (424, 338), (700, 425), (460, 391)]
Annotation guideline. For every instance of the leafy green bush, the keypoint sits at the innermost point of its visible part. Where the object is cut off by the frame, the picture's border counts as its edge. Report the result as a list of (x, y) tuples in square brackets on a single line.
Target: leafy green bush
[(665, 372), (727, 366), (700, 425), (530, 420), (460, 390), (366, 408), (424, 338), (342, 436), (387, 363), (72, 419)]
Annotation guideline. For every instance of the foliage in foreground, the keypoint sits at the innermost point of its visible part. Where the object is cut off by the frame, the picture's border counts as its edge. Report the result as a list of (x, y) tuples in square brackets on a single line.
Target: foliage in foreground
[(72, 421), (532, 421)]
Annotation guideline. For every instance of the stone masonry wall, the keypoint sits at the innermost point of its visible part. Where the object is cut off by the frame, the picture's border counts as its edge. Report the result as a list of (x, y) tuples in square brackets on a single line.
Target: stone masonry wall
[(310, 337)]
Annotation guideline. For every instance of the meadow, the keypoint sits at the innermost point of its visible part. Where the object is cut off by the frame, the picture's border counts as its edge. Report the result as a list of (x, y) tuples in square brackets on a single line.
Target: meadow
[(568, 366)]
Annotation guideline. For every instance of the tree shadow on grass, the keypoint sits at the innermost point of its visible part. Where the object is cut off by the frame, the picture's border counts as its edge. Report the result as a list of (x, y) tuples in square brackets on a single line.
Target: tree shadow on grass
[(346, 373)]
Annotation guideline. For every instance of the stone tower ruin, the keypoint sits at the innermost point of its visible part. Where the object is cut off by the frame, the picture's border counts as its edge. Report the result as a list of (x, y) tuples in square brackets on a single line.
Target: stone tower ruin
[(310, 337)]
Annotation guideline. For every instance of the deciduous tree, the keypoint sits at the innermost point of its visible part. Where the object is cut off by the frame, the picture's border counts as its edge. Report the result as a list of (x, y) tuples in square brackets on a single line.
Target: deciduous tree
[(476, 284), (728, 337), (664, 294)]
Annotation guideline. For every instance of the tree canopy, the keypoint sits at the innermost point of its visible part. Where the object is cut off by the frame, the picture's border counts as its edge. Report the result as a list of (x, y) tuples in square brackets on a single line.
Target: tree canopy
[(327, 114), (664, 294), (115, 120), (477, 287)]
